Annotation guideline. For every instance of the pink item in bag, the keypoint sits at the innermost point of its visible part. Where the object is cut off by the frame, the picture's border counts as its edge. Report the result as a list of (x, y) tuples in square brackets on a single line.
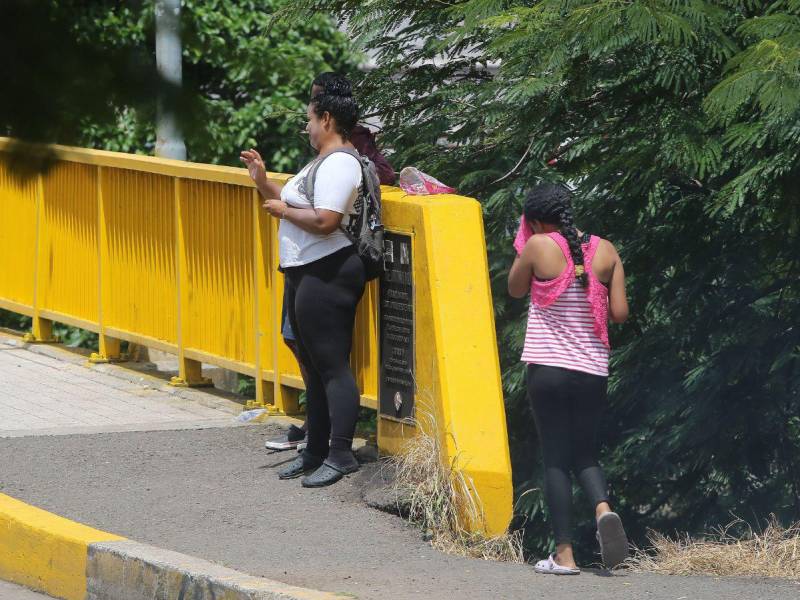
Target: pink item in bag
[(416, 183)]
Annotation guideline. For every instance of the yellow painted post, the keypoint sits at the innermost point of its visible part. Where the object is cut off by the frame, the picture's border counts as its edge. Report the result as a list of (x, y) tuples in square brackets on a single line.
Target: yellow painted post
[(190, 372), (264, 390), (270, 394), (257, 278), (41, 328), (471, 398), (109, 347), (287, 398), (459, 395)]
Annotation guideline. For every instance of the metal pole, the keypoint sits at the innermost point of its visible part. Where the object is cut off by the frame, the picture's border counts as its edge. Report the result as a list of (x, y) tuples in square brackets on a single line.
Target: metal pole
[(169, 139)]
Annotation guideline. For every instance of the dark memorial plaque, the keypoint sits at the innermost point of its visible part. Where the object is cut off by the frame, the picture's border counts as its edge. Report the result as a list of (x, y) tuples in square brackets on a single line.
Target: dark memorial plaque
[(396, 388)]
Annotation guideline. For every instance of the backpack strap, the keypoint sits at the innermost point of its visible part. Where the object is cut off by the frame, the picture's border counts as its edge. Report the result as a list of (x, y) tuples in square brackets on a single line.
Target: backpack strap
[(311, 174), (369, 178)]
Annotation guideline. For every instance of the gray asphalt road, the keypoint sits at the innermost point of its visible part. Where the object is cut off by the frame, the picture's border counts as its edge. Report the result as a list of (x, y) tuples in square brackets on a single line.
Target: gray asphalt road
[(9, 591), (214, 494)]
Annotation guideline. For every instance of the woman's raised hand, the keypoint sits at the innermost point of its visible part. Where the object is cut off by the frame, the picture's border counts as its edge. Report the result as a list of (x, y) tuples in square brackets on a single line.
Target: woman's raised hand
[(255, 165)]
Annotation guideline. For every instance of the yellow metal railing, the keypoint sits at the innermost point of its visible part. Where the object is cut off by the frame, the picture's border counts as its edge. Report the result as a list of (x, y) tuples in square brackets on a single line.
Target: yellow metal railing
[(180, 257), (170, 255)]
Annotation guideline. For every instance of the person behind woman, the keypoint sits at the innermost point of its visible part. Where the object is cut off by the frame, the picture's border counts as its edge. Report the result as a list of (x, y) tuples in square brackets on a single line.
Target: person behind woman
[(325, 280), (362, 138), (577, 283)]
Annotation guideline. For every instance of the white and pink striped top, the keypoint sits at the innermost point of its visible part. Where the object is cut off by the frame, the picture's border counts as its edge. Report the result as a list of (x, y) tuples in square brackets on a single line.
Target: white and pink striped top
[(567, 322), (563, 334)]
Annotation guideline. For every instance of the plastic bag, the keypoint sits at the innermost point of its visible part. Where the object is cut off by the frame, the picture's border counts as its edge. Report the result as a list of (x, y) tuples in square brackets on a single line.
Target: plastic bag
[(416, 183), (252, 415)]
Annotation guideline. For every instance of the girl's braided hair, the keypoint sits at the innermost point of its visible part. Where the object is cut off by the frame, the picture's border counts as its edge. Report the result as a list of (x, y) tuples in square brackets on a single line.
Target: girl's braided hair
[(552, 203)]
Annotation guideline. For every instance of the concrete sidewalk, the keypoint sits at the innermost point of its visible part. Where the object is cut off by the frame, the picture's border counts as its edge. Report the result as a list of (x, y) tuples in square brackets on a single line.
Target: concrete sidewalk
[(48, 390), (213, 493), (9, 591)]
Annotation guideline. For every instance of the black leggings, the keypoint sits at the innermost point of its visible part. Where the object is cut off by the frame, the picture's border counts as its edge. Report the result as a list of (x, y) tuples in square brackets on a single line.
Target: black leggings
[(322, 298), (567, 406)]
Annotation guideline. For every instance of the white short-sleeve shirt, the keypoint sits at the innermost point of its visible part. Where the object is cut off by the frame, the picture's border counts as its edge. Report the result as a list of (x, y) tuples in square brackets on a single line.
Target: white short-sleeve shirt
[(335, 188)]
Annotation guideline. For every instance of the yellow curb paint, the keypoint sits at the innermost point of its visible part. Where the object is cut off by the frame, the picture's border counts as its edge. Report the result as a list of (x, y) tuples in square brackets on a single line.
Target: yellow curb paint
[(43, 551)]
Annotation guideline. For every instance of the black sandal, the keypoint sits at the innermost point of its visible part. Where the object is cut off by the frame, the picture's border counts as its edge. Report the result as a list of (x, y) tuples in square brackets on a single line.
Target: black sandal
[(328, 474), (612, 538), (305, 463)]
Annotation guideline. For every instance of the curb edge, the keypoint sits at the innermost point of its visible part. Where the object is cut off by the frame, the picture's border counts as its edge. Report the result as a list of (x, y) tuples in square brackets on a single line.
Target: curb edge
[(66, 559)]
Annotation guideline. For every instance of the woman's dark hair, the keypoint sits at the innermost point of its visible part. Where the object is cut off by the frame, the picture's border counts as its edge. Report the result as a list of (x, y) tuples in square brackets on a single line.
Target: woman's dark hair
[(333, 83), (336, 98), (552, 203)]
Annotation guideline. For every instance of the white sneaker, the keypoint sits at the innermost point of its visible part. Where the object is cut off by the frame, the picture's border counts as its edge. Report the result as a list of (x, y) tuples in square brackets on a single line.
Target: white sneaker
[(293, 438), (551, 567)]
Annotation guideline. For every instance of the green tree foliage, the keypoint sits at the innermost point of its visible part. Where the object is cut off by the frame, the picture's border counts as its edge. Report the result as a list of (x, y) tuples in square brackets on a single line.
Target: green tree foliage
[(678, 122), (14, 320), (83, 72), (51, 71), (249, 75)]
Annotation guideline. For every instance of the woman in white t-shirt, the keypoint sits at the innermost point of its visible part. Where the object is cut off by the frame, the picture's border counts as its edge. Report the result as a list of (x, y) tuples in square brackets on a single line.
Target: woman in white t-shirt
[(325, 280)]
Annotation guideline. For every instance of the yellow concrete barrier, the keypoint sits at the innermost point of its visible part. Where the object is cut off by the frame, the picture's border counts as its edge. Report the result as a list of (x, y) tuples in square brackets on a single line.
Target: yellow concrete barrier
[(43, 551), (180, 257)]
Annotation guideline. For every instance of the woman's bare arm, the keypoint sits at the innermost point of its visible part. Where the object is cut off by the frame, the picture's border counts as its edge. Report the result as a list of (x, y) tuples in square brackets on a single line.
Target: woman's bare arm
[(319, 221), (521, 273), (617, 298)]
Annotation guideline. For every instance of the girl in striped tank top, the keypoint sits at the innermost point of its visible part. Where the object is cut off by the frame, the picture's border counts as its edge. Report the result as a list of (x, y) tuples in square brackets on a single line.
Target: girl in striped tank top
[(577, 283)]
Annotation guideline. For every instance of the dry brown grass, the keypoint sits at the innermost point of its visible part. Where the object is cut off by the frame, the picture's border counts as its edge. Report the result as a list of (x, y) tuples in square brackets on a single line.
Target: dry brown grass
[(440, 499), (772, 552)]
